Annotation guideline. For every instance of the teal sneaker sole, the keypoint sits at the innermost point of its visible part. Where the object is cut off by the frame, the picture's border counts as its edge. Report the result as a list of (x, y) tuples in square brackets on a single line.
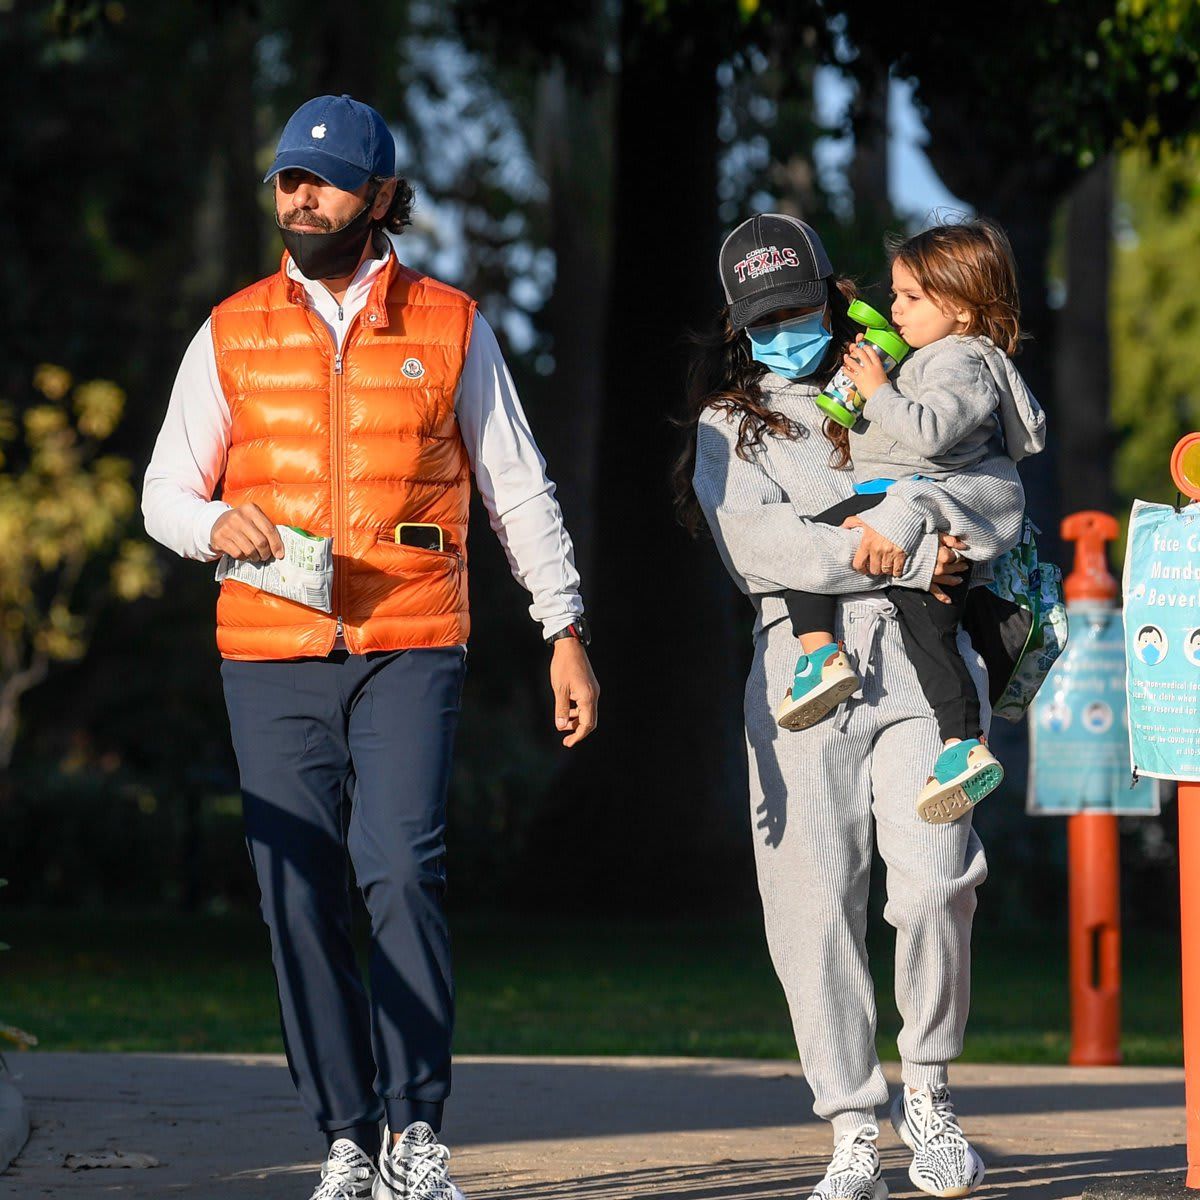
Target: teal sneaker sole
[(984, 782)]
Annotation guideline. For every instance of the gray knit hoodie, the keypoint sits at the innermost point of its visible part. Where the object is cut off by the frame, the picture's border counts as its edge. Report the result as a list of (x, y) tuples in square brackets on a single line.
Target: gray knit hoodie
[(949, 406)]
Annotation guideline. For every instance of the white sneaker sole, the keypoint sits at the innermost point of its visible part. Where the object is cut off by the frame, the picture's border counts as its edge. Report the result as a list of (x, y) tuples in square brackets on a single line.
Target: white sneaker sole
[(948, 801), (950, 1193), (900, 1125), (381, 1191), (820, 702)]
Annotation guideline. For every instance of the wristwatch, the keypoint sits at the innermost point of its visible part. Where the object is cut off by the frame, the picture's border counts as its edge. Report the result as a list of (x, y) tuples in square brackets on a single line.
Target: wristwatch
[(578, 629)]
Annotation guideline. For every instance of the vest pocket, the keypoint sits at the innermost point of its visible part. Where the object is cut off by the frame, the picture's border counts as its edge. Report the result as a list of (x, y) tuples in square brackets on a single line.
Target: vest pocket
[(416, 558)]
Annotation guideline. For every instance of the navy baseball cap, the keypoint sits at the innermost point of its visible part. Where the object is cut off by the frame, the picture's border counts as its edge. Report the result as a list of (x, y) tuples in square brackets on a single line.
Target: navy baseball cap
[(773, 261), (340, 140)]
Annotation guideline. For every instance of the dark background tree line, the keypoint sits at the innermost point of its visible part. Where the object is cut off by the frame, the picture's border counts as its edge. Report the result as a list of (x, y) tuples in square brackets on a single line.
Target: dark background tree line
[(575, 165)]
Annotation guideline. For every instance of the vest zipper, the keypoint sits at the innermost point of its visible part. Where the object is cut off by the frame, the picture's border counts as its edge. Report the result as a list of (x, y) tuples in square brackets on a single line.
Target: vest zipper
[(336, 418)]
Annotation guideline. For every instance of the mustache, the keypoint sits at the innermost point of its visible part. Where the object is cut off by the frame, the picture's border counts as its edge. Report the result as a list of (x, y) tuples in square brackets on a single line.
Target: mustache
[(300, 219)]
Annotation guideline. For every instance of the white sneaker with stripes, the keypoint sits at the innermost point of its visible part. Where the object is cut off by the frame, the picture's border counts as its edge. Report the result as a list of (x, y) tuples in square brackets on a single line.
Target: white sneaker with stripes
[(854, 1172), (348, 1174), (944, 1163), (417, 1167)]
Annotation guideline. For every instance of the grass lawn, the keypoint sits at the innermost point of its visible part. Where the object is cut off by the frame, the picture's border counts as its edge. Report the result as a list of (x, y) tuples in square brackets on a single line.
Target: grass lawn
[(150, 982)]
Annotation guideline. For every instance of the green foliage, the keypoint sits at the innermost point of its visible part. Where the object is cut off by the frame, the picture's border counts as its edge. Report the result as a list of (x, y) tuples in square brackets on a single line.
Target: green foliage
[(1092, 74), (166, 983), (64, 508), (1155, 316)]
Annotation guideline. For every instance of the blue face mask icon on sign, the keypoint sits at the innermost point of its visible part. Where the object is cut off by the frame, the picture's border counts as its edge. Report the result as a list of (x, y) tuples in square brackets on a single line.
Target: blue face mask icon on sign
[(792, 348), (1149, 645)]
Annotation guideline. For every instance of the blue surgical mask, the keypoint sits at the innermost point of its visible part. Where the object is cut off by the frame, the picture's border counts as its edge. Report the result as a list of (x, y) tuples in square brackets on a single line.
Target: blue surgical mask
[(792, 348)]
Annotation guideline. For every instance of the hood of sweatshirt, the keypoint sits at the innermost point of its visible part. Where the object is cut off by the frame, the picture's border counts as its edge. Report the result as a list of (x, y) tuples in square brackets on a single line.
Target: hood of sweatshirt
[(1021, 417)]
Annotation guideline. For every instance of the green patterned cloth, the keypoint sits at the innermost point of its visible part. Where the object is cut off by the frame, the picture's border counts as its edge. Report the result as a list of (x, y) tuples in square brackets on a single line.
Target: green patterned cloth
[(1018, 622)]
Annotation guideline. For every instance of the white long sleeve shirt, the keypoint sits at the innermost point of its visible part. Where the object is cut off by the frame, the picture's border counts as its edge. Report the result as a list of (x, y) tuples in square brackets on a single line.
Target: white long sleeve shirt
[(190, 452)]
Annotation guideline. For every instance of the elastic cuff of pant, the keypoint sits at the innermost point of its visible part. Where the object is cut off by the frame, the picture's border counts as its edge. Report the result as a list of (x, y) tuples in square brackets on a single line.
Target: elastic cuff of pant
[(402, 1113), (368, 1137), (848, 1122), (930, 1075)]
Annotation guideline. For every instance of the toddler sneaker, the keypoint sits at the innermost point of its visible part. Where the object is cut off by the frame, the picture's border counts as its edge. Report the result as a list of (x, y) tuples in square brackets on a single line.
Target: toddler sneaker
[(823, 680), (963, 774)]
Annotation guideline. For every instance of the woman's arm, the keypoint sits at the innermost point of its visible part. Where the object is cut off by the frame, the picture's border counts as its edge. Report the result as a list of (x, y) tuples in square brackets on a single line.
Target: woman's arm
[(984, 505), (765, 545)]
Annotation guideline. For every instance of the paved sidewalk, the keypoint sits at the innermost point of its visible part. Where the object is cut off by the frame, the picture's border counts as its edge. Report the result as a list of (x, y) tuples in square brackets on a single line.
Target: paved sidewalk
[(572, 1129)]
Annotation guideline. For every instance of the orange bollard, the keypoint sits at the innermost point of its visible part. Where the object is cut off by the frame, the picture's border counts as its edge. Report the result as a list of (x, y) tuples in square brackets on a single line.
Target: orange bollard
[(1093, 849), (1185, 470), (1189, 930)]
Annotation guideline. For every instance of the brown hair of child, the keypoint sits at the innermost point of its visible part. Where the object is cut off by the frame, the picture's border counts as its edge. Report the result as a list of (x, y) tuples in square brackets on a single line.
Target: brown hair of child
[(968, 265)]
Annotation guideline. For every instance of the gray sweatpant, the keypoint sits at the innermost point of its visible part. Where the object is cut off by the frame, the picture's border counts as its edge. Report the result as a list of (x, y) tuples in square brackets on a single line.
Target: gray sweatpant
[(818, 797)]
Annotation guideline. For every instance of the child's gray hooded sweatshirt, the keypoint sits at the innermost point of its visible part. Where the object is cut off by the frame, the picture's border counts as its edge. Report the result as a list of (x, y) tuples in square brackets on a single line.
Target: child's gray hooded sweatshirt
[(948, 406)]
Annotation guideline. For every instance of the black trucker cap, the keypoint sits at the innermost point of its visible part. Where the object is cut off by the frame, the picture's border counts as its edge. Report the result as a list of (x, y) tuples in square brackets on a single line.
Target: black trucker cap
[(772, 261)]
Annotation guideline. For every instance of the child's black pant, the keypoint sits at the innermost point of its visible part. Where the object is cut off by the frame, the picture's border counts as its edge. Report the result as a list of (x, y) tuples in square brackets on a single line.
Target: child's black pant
[(928, 627)]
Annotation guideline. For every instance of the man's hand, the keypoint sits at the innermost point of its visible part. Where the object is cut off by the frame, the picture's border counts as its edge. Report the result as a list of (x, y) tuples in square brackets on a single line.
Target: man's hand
[(247, 533), (863, 365), (576, 692), (949, 568), (875, 554)]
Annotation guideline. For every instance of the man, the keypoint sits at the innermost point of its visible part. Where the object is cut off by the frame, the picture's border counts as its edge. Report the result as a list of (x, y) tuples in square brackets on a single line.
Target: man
[(348, 395)]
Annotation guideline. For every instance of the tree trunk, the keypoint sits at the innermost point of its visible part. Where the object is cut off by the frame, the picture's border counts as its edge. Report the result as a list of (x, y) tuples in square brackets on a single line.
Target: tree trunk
[(1083, 371), (659, 798), (868, 170), (573, 130)]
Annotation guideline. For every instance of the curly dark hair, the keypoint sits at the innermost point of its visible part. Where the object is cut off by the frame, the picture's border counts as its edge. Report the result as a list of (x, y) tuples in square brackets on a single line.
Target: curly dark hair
[(399, 213), (723, 375)]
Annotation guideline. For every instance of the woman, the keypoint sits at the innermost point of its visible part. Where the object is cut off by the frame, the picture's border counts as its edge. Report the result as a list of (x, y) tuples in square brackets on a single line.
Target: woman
[(762, 460)]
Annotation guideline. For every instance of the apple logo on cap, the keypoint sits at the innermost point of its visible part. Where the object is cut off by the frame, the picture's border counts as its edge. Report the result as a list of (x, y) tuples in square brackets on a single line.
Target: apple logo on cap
[(318, 131)]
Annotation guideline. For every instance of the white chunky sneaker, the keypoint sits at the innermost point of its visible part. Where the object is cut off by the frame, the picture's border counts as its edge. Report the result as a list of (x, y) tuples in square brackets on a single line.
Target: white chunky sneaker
[(854, 1172), (944, 1162), (417, 1167), (348, 1174)]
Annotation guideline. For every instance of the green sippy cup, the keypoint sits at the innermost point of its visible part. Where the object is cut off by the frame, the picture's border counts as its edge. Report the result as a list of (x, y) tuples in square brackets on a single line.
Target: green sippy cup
[(840, 400)]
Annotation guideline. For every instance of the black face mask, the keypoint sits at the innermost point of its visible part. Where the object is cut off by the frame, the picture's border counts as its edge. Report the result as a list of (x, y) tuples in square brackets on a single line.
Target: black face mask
[(332, 255)]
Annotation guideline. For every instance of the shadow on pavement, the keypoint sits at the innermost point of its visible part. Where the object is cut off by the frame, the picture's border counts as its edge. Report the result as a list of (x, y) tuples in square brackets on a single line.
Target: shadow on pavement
[(680, 1130), (1046, 1177)]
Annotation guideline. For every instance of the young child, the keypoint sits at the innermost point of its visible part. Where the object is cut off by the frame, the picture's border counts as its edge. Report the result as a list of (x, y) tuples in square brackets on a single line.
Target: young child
[(954, 401)]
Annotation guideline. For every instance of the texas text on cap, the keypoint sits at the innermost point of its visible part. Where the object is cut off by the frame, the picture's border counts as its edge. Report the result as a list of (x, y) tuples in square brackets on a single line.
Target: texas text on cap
[(340, 140), (772, 261)]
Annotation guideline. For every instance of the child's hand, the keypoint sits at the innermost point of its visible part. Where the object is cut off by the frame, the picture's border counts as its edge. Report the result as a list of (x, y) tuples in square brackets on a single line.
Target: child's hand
[(864, 367)]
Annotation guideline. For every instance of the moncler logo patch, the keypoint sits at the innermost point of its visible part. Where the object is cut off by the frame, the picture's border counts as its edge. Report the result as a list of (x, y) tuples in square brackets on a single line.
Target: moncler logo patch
[(318, 131), (413, 368)]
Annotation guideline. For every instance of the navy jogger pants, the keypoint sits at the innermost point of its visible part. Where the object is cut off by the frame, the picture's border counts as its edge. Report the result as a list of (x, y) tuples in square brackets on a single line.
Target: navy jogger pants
[(375, 733)]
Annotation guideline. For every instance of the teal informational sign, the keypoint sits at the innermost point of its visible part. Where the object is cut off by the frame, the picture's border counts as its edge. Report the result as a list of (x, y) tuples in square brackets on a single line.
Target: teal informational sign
[(1162, 640), (1078, 738)]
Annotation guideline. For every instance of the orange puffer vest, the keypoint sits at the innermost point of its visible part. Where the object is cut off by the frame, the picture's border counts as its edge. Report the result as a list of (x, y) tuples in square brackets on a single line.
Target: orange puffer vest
[(347, 446)]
